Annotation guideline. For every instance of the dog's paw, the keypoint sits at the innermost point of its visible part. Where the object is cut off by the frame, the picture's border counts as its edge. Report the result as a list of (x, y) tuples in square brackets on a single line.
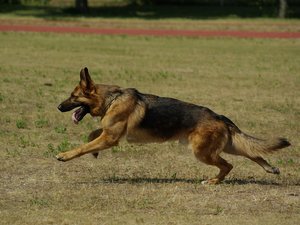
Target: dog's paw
[(275, 170), (60, 157), (63, 156), (211, 181)]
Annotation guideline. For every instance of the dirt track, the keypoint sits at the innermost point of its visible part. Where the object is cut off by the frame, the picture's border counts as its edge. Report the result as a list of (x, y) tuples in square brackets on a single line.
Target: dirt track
[(150, 32)]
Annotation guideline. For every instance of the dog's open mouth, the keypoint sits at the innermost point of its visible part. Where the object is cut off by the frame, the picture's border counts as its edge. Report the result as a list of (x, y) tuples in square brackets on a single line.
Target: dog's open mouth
[(79, 114)]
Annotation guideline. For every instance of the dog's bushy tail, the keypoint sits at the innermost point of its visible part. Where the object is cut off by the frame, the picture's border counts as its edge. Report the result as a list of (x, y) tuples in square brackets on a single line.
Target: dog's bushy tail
[(244, 144)]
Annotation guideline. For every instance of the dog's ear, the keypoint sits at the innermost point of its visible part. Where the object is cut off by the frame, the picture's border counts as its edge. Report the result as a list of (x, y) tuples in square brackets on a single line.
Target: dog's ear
[(86, 82)]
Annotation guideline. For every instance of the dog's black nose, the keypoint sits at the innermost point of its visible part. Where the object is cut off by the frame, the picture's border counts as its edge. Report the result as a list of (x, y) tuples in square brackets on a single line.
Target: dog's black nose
[(59, 107)]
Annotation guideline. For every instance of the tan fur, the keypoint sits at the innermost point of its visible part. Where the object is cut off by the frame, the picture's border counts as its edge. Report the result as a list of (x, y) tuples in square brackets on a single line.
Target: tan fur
[(123, 113), (247, 145)]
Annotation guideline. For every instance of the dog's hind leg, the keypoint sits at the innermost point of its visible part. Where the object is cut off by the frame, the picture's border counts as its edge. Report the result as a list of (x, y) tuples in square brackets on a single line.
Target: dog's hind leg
[(259, 160), (92, 136), (218, 161), (207, 143), (265, 165)]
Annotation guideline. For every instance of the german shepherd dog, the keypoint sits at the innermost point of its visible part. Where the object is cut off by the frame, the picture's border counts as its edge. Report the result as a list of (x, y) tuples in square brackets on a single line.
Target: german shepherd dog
[(145, 118)]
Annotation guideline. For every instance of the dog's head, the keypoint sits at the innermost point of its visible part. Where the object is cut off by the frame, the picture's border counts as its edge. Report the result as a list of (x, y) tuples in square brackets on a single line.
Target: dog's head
[(87, 97)]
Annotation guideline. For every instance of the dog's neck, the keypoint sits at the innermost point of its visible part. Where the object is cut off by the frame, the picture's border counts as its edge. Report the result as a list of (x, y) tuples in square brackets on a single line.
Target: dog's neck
[(112, 96)]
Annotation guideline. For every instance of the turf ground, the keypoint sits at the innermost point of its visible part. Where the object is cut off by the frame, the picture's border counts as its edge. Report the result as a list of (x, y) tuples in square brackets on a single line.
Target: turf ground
[(253, 82)]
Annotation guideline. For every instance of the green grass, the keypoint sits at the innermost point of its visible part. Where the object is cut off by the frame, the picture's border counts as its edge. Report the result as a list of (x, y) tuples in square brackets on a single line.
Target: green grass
[(253, 82), (21, 124)]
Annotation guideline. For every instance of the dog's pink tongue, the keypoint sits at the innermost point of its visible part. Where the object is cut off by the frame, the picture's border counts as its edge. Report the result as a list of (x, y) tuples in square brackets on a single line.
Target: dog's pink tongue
[(74, 118)]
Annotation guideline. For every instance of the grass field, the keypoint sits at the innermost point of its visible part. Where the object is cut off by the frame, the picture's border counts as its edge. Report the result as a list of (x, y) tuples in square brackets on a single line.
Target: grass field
[(253, 82)]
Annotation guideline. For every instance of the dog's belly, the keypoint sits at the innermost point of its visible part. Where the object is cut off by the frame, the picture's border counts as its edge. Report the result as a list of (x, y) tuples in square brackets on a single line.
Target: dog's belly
[(139, 135)]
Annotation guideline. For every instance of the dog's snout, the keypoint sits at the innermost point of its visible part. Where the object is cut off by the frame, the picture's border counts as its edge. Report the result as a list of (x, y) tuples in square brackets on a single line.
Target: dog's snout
[(68, 105)]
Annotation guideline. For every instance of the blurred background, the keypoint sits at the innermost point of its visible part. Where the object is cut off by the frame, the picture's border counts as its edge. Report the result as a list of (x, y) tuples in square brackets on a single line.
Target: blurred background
[(157, 8)]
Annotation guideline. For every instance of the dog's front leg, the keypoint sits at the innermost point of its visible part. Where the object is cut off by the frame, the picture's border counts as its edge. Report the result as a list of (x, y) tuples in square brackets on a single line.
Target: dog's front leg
[(109, 138)]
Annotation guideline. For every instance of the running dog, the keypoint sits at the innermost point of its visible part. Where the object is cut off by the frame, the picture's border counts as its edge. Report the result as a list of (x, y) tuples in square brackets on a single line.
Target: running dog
[(148, 118)]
